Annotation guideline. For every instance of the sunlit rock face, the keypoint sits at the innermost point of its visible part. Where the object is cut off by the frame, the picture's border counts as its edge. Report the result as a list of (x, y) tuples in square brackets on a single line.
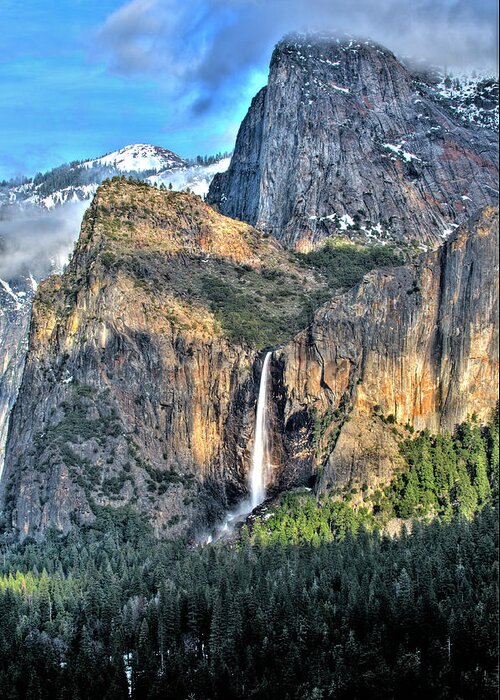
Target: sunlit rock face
[(132, 394), (39, 222), (344, 139), (416, 346)]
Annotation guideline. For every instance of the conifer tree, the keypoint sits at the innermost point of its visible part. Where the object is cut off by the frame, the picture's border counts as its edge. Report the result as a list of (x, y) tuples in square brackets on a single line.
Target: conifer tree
[(465, 494), (411, 495)]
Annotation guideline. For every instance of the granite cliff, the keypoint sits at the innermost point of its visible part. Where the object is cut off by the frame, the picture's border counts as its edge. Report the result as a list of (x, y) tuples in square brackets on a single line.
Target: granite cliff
[(344, 138), (16, 295), (414, 347), (144, 359)]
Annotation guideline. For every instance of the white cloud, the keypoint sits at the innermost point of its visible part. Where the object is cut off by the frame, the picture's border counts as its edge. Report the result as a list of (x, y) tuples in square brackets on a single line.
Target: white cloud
[(34, 240)]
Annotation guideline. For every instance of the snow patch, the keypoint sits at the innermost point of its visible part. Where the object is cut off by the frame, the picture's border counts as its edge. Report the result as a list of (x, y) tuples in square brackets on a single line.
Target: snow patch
[(340, 89), (8, 290), (472, 97), (345, 221), (398, 150), (197, 178), (138, 157), (128, 672)]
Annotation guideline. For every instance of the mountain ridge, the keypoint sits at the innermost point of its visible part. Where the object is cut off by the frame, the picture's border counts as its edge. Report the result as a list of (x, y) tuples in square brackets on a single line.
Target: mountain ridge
[(78, 180)]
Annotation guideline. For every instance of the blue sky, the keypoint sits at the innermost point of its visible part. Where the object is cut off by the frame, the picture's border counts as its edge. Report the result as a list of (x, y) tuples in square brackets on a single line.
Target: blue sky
[(81, 78), (61, 101)]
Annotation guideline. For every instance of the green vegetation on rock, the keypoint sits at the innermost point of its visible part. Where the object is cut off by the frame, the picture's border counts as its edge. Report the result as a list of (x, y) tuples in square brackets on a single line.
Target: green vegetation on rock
[(260, 294), (258, 309), (445, 476), (343, 263), (266, 307)]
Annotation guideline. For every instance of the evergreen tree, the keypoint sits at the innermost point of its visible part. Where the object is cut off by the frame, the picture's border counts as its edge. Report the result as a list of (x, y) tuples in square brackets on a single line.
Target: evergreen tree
[(411, 495), (466, 499)]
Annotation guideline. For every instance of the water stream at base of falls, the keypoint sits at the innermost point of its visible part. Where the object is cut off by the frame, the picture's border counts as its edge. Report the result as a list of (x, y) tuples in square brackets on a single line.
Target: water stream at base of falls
[(260, 461)]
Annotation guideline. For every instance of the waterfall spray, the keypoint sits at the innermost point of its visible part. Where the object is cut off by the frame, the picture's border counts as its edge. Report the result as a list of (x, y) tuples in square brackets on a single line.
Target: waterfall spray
[(260, 456)]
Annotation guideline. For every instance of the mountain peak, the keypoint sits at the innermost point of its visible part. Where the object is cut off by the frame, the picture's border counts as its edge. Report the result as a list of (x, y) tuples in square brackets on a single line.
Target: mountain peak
[(329, 51), (78, 181), (345, 137), (139, 157), (311, 44)]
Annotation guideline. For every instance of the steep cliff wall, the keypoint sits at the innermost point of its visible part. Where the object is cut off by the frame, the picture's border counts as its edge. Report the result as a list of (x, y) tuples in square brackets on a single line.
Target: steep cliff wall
[(134, 390), (414, 345), (345, 139), (15, 307)]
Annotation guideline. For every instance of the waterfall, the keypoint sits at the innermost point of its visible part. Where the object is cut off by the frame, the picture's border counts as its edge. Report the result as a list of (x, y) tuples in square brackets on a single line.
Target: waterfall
[(260, 455), (259, 467)]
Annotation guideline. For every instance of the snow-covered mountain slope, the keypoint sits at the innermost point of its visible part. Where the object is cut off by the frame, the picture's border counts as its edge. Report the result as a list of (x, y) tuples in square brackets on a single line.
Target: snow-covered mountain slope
[(78, 181), (196, 178), (472, 98), (139, 157)]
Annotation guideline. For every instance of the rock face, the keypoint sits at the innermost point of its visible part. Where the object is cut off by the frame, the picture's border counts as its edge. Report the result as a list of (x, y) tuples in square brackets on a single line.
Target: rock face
[(15, 307), (414, 345), (132, 393), (50, 208), (345, 139)]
